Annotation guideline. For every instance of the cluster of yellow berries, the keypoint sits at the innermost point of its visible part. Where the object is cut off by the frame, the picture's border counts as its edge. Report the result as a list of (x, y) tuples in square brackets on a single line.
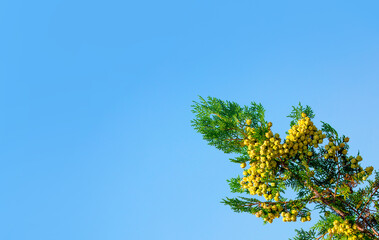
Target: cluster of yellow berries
[(267, 154), (269, 212), (266, 151), (334, 149), (362, 175), (263, 167), (254, 183), (292, 216), (302, 135), (345, 228), (355, 161), (369, 170)]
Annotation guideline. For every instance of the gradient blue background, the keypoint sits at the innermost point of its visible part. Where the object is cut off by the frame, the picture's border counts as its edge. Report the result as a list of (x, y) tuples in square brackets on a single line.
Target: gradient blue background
[(95, 99)]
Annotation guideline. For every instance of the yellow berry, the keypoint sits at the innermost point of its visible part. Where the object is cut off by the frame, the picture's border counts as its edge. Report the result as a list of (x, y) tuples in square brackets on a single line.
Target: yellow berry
[(243, 165), (369, 169)]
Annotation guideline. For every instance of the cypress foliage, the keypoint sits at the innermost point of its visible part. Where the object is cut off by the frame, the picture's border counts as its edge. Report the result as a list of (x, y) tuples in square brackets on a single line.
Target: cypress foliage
[(314, 163)]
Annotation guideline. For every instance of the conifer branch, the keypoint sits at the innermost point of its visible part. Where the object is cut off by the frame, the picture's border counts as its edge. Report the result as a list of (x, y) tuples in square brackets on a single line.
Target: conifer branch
[(323, 175)]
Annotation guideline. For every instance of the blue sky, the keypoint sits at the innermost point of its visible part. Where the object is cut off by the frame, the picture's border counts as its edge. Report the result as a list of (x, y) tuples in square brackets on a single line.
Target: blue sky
[(95, 99)]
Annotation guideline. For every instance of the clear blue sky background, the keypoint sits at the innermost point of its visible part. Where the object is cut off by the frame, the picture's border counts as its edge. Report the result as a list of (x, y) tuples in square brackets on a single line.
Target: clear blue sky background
[(95, 99)]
